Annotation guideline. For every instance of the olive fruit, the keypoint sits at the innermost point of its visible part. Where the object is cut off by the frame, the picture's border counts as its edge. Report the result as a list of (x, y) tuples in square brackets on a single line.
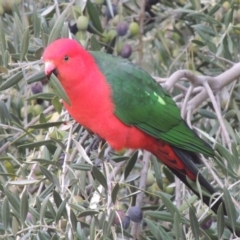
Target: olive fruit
[(126, 51), (135, 214), (122, 28), (82, 23)]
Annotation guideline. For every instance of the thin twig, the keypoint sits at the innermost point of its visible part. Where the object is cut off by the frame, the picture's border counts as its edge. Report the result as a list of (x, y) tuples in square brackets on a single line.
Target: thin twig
[(141, 26), (142, 185), (218, 113)]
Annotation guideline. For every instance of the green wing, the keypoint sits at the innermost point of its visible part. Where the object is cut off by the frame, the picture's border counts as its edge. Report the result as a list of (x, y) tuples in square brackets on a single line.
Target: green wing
[(140, 101)]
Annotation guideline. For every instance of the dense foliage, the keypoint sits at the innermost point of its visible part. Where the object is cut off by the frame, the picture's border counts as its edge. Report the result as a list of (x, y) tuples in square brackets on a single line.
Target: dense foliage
[(57, 179)]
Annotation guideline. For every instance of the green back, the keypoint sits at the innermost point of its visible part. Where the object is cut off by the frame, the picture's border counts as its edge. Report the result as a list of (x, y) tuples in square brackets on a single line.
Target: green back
[(140, 101)]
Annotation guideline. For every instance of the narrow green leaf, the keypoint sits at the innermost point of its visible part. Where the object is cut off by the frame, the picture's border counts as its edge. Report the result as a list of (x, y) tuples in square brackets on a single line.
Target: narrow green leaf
[(61, 210), (24, 44), (194, 223), (110, 221), (18, 23), (55, 237), (57, 28), (43, 209), (155, 230), (15, 226), (92, 229), (57, 198), (37, 144), (38, 76), (95, 46), (60, 92), (177, 226), (5, 213), (99, 177), (13, 200), (101, 155), (57, 105), (2, 37), (43, 235), (83, 167), (169, 205), (94, 16), (14, 79), (231, 212), (158, 172), (130, 164), (88, 213), (36, 23), (6, 58), (114, 193), (73, 220), (207, 114), (164, 216), (47, 173), (24, 207), (46, 125), (220, 221), (4, 113), (24, 182)]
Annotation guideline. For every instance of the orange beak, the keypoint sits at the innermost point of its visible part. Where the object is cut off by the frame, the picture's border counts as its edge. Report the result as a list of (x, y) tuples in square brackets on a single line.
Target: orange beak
[(49, 67)]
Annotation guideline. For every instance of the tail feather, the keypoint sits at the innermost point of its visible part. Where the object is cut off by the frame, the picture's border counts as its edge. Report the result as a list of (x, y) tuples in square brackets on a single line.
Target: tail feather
[(182, 164)]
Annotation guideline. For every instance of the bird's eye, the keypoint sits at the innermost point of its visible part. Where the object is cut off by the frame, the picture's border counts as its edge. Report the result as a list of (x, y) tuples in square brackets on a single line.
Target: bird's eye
[(66, 58)]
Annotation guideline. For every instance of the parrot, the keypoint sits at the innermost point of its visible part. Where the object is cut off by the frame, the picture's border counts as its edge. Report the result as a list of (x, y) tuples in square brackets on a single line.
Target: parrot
[(123, 104)]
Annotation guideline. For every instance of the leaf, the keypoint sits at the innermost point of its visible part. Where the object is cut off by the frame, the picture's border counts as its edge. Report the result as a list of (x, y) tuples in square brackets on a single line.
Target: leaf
[(24, 182), (92, 229), (131, 162), (51, 177), (194, 223), (5, 213), (94, 16), (158, 172), (61, 210), (38, 76), (83, 167), (43, 209), (24, 44), (231, 212), (95, 46), (46, 125), (57, 28), (82, 152), (60, 92), (13, 200), (157, 231), (115, 192), (14, 79), (44, 96), (169, 205), (24, 207), (88, 213), (2, 37), (177, 226), (99, 177), (220, 221), (207, 114), (37, 144), (73, 220), (57, 105), (164, 216), (48, 11)]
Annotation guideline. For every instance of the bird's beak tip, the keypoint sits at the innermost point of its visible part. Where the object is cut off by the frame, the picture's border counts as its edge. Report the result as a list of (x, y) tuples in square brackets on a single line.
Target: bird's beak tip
[(49, 67)]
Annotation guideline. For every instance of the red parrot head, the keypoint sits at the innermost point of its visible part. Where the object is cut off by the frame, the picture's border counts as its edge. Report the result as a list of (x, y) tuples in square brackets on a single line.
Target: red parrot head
[(62, 57)]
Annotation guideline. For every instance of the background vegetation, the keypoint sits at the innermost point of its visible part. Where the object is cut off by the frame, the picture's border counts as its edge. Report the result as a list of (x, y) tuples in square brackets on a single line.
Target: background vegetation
[(55, 180)]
